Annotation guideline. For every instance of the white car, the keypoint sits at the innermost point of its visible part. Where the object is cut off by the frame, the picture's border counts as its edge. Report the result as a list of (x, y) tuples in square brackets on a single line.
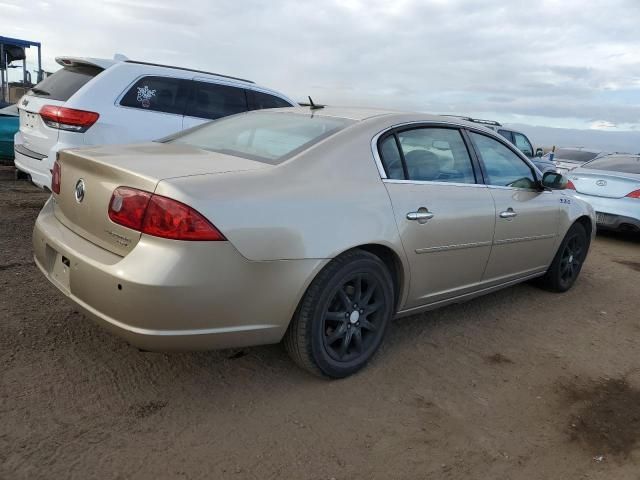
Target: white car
[(99, 101)]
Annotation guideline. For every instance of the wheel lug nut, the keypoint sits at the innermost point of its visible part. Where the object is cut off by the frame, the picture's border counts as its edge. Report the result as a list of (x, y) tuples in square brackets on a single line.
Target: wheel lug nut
[(361, 311), (346, 315), (357, 324), (355, 305)]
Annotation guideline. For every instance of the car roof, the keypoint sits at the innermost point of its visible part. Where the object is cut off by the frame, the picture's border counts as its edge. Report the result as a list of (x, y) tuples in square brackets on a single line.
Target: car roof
[(580, 149), (360, 114)]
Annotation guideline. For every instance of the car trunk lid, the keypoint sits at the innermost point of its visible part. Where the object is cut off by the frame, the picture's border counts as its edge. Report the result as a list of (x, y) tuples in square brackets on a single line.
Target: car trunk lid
[(101, 170), (603, 183)]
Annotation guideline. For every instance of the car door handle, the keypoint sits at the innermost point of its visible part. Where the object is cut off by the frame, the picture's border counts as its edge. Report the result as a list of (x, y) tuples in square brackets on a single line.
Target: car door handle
[(420, 215), (508, 213)]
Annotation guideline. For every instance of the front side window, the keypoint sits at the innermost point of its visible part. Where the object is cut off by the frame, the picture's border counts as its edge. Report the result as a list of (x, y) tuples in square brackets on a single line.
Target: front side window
[(261, 100), (211, 100), (502, 166), (523, 144), (436, 155), (268, 137), (158, 94)]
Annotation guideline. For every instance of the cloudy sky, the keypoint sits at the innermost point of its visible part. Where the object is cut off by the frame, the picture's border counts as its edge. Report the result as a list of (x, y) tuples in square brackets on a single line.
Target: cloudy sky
[(562, 63)]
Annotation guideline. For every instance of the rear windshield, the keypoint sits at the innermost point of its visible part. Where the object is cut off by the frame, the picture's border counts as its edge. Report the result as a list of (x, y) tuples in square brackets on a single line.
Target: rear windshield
[(616, 163), (574, 155), (263, 136), (65, 82)]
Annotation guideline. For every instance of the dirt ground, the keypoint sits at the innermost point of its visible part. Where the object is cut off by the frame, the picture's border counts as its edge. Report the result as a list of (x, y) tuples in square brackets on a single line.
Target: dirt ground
[(520, 384)]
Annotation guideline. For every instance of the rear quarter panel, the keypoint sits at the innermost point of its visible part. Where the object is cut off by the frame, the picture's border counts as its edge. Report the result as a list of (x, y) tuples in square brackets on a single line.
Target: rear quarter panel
[(317, 205)]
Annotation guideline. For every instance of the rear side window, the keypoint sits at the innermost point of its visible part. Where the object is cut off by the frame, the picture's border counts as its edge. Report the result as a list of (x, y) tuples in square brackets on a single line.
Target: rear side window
[(391, 158), (267, 137), (211, 100), (506, 134), (616, 163), (65, 82), (158, 94), (427, 154), (259, 100), (523, 144)]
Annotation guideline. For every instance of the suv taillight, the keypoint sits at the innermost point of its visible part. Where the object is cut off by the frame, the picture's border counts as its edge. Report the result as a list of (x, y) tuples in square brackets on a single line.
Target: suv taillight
[(570, 185), (634, 194), (68, 119), (56, 174), (159, 216)]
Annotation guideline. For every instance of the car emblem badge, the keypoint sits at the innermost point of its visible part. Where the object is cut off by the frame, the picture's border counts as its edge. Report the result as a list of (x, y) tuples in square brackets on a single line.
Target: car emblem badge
[(601, 183), (25, 102), (79, 193)]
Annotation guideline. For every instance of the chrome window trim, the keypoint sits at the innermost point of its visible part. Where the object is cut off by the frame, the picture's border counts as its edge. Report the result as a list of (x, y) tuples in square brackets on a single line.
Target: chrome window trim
[(431, 182), (435, 124)]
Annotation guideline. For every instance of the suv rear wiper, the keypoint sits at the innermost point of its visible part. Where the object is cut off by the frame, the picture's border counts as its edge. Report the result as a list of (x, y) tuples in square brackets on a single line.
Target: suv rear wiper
[(39, 91)]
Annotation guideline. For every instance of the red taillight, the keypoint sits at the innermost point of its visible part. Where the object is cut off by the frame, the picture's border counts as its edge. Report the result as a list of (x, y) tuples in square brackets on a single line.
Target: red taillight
[(56, 176), (128, 206), (159, 216), (570, 185), (634, 194), (68, 119)]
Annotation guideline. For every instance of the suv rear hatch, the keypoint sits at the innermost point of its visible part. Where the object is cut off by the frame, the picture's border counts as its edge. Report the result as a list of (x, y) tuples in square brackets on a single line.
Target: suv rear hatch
[(103, 169), (54, 90)]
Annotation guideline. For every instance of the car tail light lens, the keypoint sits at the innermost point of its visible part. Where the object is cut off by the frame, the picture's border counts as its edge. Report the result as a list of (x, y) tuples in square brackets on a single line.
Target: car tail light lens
[(159, 216), (56, 176), (68, 119), (634, 194), (570, 185)]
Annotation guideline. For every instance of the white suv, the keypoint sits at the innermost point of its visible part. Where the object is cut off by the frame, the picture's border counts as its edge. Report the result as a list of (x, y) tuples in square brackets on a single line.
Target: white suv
[(97, 101)]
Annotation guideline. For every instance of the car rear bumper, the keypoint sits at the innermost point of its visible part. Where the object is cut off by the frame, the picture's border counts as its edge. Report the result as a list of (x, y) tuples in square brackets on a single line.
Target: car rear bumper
[(614, 213), (36, 165), (167, 295)]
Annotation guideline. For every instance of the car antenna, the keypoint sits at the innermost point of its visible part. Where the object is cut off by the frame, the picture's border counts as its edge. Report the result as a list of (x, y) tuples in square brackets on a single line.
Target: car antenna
[(312, 105)]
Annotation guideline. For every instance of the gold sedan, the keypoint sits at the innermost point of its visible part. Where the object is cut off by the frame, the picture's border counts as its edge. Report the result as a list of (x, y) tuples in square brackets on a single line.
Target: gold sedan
[(316, 226)]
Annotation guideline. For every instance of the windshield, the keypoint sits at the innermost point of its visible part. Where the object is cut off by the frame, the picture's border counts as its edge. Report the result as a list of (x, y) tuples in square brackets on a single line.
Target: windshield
[(616, 163), (268, 137), (65, 82), (579, 156)]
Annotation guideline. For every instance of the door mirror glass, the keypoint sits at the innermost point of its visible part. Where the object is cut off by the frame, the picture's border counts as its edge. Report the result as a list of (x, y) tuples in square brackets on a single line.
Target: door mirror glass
[(539, 152), (554, 180)]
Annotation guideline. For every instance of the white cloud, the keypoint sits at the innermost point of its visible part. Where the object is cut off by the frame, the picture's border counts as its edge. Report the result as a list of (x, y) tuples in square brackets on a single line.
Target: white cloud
[(564, 61)]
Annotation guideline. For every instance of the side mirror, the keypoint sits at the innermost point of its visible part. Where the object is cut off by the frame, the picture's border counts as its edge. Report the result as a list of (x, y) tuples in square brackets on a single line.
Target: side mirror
[(554, 181), (539, 152)]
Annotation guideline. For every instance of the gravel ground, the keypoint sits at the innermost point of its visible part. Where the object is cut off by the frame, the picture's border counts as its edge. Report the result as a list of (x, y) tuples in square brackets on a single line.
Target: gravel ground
[(518, 384)]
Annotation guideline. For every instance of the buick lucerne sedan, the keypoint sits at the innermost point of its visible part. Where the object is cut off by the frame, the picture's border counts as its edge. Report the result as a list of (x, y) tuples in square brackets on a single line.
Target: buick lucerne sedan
[(307, 226)]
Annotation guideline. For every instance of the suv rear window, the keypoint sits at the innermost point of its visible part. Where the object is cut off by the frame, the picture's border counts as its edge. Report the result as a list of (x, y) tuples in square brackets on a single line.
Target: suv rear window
[(65, 82), (264, 136), (158, 94), (616, 163)]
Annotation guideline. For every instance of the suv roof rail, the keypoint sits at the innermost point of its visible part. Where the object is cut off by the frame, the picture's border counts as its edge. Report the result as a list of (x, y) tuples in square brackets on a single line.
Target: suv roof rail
[(477, 120), (188, 70)]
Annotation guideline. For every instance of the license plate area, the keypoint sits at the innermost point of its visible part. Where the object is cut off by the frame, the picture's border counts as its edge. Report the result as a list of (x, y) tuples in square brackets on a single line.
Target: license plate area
[(603, 218), (60, 271)]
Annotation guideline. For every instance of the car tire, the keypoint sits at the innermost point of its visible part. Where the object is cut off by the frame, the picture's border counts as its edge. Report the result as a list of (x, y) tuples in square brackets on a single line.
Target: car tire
[(567, 263), (342, 318)]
